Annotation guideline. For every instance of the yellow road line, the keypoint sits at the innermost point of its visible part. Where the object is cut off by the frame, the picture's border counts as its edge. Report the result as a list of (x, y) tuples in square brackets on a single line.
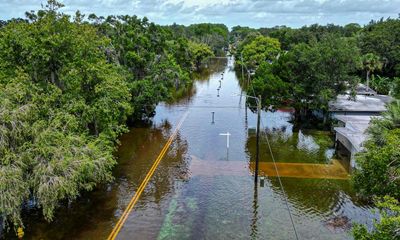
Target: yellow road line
[(144, 183)]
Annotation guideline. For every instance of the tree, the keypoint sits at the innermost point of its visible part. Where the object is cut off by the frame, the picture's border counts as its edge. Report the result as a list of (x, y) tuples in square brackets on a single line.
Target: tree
[(382, 38), (67, 88), (62, 107), (351, 29), (379, 165), (238, 34), (378, 174), (316, 73), (389, 225), (157, 59), (382, 85), (261, 49), (273, 91), (239, 46), (199, 52), (213, 35), (396, 88), (370, 63)]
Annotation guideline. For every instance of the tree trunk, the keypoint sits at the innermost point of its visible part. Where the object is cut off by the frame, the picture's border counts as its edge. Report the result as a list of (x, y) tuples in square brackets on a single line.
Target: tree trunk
[(297, 115), (53, 77), (325, 113), (368, 72)]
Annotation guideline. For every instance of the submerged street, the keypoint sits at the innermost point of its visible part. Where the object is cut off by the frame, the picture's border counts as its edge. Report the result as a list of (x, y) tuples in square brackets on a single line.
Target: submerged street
[(203, 190)]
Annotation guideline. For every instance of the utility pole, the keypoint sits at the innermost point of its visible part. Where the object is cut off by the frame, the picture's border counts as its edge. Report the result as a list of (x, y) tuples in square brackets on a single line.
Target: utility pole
[(258, 138)]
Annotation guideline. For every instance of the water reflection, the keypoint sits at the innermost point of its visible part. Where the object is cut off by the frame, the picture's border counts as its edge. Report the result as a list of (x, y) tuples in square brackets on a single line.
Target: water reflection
[(91, 216), (303, 146), (254, 227), (305, 163), (202, 190)]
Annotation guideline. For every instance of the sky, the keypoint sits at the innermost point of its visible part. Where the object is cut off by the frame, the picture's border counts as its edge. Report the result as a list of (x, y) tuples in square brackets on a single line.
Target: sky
[(253, 13)]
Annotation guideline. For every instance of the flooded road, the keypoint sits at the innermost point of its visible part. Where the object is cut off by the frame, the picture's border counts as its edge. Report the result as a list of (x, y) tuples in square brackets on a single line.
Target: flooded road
[(203, 190)]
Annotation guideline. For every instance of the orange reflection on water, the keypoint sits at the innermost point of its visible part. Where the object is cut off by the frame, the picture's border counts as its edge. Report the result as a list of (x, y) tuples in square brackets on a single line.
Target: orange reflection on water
[(333, 170)]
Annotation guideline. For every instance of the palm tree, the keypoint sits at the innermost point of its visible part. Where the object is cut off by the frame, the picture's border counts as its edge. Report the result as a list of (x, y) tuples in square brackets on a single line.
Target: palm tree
[(390, 120), (371, 63)]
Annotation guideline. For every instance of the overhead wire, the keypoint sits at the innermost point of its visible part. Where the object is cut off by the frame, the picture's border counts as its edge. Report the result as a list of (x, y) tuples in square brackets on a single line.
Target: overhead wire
[(273, 158), (280, 181)]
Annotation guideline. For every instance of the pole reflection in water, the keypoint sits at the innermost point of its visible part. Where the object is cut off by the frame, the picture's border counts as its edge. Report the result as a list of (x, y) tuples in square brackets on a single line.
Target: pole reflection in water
[(196, 193), (254, 221)]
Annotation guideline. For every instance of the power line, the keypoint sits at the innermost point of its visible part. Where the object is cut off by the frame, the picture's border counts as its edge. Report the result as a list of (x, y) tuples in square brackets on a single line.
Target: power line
[(273, 158), (203, 106), (280, 182)]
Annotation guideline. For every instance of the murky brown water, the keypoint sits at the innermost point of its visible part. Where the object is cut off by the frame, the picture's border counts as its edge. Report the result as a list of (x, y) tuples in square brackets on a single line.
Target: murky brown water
[(202, 190)]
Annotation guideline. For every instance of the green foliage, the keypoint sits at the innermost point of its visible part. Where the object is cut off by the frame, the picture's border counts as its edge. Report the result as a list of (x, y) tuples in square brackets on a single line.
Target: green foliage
[(370, 63), (213, 35), (273, 91), (315, 73), (382, 85), (239, 46), (42, 153), (67, 88), (396, 88), (199, 52), (239, 33), (307, 77), (382, 38), (379, 164), (379, 172), (378, 37), (260, 50), (62, 106), (389, 225), (290, 37), (158, 61)]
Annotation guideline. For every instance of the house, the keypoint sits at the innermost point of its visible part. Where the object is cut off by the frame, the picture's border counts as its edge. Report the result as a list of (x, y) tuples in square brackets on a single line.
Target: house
[(354, 117)]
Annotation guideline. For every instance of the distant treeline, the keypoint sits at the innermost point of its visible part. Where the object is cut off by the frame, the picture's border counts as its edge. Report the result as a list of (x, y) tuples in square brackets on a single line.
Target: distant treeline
[(214, 35), (309, 66), (378, 37)]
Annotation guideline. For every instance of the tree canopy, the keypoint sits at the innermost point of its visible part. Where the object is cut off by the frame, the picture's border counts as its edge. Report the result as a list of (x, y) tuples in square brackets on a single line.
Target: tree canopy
[(216, 36), (378, 175), (68, 85), (62, 105), (261, 49), (308, 76)]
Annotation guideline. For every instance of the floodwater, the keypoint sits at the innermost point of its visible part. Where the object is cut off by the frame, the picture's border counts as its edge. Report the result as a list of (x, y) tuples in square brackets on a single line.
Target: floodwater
[(204, 190)]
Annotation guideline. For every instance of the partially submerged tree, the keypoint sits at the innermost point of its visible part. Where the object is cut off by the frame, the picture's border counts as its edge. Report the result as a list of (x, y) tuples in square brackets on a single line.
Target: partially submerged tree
[(261, 49), (199, 53), (62, 105), (314, 74), (389, 225)]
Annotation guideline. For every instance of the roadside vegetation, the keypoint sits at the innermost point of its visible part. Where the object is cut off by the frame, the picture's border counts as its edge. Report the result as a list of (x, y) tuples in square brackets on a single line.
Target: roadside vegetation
[(378, 176), (306, 68), (68, 87)]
